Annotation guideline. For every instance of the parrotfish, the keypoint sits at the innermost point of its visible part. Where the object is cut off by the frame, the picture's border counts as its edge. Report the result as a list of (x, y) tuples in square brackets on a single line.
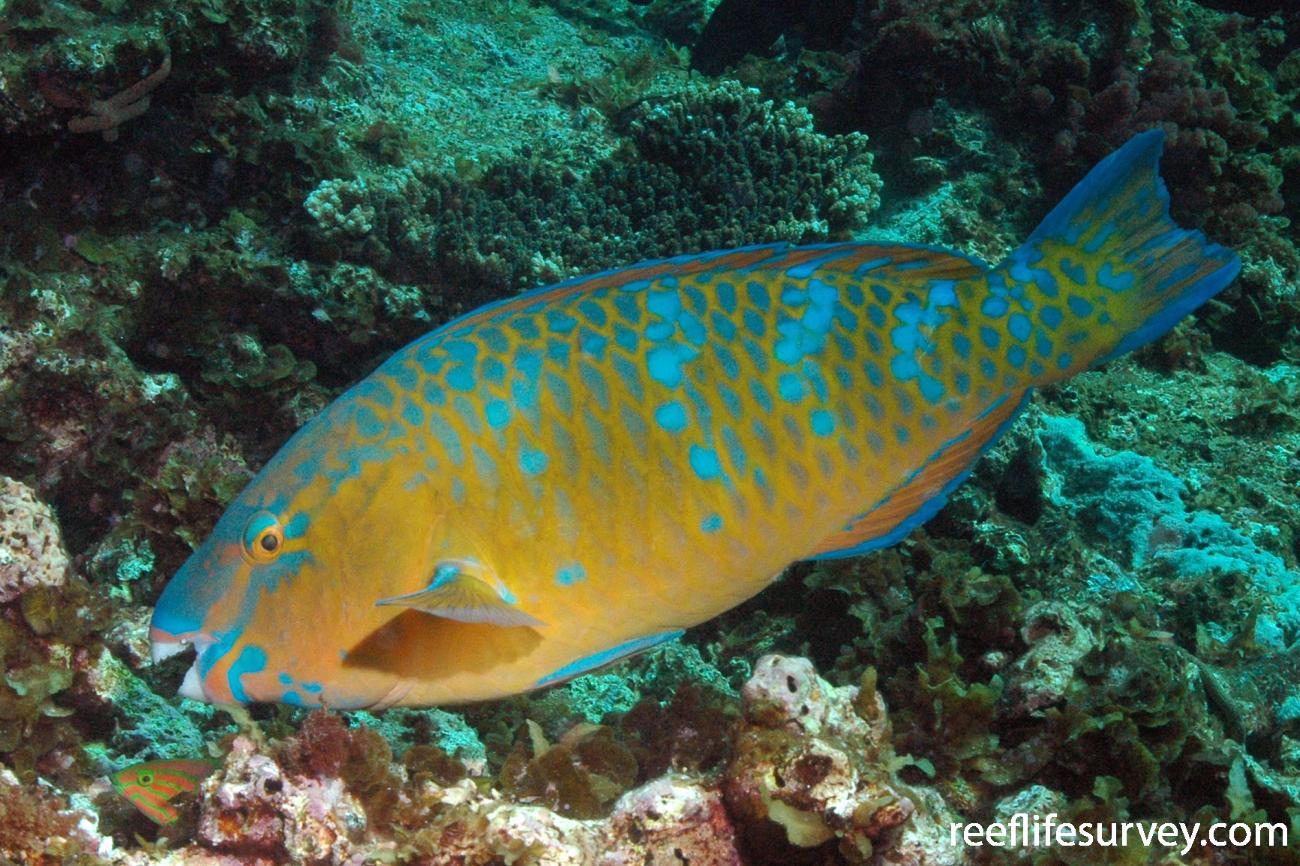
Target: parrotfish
[(151, 786), (573, 475)]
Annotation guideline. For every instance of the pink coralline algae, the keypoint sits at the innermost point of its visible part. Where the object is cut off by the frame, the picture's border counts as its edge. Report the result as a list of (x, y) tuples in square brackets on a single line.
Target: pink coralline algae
[(31, 546), (253, 807)]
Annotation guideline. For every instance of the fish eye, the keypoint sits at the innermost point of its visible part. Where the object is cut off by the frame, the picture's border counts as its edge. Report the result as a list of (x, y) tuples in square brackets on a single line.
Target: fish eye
[(263, 537), (145, 779)]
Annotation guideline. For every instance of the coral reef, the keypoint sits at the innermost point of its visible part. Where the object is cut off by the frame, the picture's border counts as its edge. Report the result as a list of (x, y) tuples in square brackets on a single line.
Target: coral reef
[(216, 214), (713, 166)]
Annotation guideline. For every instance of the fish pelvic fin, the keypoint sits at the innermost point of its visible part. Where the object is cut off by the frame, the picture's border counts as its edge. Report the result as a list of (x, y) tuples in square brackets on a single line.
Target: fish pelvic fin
[(1105, 272)]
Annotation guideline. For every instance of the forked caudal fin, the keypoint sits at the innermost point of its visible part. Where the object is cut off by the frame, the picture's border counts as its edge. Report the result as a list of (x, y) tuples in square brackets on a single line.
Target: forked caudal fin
[(1108, 271)]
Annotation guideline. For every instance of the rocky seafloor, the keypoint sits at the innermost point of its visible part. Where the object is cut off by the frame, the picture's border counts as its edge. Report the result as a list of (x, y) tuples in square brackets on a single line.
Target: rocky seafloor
[(215, 214)]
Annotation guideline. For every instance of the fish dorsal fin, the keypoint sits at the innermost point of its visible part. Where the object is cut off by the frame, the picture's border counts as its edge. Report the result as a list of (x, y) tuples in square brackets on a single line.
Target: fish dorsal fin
[(879, 260), (467, 591), (920, 497)]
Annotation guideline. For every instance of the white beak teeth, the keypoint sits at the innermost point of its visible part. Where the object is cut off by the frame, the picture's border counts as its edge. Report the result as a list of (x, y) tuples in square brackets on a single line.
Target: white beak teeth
[(192, 688), (160, 650)]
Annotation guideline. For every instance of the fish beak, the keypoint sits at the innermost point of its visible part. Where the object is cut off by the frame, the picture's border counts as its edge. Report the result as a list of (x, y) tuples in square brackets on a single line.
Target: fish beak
[(160, 650), (192, 686)]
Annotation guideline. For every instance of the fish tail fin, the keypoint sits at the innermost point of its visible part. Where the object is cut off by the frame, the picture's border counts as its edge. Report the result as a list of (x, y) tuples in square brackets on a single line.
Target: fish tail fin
[(1106, 272)]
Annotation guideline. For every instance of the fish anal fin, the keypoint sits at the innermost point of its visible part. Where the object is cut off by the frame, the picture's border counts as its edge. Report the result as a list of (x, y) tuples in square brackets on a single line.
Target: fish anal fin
[(464, 591), (921, 497)]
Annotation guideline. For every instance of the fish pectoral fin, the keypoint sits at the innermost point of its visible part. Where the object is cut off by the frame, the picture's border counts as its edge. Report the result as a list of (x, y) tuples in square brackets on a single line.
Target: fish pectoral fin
[(464, 591)]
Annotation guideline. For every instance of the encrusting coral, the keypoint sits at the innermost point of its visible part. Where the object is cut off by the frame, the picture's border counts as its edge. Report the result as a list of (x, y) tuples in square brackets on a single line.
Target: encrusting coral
[(31, 546)]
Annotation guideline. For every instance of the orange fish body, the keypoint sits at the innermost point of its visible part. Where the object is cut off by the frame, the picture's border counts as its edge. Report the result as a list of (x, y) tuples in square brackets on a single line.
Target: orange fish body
[(567, 477)]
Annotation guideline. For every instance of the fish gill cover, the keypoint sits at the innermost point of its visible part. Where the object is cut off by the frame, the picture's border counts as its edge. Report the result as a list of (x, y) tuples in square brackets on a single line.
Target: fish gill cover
[(216, 215)]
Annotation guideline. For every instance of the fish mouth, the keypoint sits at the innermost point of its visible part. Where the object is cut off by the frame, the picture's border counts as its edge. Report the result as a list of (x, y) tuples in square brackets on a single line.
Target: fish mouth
[(161, 650), (163, 646), (192, 685)]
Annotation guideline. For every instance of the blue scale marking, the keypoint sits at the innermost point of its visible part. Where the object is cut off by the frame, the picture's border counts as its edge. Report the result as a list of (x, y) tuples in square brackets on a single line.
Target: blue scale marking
[(570, 574), (1019, 326), (485, 467), (495, 340), (628, 308), (791, 388), (931, 389), (723, 327), (593, 311), (671, 416), (694, 332), (874, 375), (412, 413), (597, 435), (626, 338), (813, 373), (368, 423), (525, 327), (1108, 279), (594, 383), (557, 351), (469, 413), (630, 374), (448, 438), (659, 331), (725, 292), (560, 322), (1075, 271), (664, 304), (730, 400), (704, 461), (461, 377), (994, 307), (493, 371), (593, 344), (735, 450), (532, 461), (1081, 307)]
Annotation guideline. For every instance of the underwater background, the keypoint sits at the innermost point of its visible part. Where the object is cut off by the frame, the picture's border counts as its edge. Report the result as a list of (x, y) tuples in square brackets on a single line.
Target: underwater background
[(215, 215)]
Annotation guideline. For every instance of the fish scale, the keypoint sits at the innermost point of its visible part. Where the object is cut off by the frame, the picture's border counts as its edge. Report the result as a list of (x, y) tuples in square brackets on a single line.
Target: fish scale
[(562, 479)]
